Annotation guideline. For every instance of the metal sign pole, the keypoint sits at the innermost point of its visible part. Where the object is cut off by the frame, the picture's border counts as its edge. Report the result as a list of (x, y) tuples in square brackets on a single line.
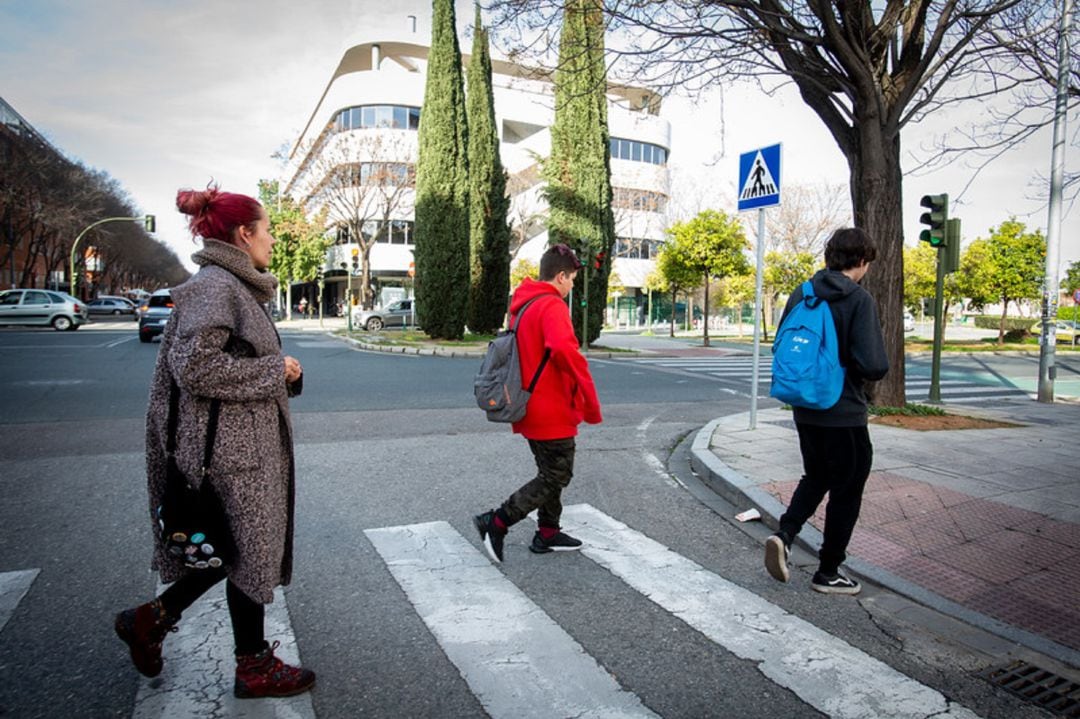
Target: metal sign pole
[(760, 252)]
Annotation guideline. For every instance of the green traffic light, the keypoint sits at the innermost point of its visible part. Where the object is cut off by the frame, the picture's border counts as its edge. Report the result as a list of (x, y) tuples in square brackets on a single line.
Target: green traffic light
[(935, 219)]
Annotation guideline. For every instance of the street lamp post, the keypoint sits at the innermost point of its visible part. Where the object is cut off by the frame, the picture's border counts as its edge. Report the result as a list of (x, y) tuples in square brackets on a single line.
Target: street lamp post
[(148, 220)]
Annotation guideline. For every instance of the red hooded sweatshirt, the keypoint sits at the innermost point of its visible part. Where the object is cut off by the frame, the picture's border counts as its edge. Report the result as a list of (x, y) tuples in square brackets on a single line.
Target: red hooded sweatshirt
[(565, 394)]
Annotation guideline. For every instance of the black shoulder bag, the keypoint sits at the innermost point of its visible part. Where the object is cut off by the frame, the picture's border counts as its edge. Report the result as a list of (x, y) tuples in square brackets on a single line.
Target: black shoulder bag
[(193, 523)]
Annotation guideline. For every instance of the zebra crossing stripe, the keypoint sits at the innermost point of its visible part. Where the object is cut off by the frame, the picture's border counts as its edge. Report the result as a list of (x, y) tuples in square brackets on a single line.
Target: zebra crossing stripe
[(197, 680), (13, 587), (824, 671), (516, 660)]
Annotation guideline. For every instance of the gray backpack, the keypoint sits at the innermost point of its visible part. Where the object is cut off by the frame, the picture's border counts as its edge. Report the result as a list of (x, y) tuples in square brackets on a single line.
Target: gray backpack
[(497, 385)]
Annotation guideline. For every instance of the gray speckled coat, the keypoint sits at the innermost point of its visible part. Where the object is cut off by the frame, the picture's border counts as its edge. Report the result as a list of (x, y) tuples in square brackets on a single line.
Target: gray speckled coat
[(252, 469)]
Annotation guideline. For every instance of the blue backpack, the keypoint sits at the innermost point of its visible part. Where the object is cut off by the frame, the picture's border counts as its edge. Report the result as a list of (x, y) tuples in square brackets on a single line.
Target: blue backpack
[(806, 370)]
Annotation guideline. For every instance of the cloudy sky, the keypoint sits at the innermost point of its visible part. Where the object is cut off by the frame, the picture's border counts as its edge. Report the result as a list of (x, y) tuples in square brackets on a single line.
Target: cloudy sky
[(163, 95)]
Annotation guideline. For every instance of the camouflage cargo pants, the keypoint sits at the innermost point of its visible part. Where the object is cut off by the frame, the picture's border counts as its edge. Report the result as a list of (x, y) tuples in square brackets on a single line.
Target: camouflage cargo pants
[(554, 469)]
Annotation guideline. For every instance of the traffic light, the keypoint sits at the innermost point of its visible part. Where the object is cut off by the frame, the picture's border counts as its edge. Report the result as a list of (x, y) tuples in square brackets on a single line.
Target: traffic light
[(598, 261), (151, 223), (355, 259), (935, 219)]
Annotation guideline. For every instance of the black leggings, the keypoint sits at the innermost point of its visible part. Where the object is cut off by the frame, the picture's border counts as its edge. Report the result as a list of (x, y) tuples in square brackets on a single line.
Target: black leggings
[(247, 615)]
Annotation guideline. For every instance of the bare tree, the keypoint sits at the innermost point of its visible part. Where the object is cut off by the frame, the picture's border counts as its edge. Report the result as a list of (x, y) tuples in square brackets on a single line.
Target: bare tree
[(866, 69), (367, 179), (1019, 47), (806, 218)]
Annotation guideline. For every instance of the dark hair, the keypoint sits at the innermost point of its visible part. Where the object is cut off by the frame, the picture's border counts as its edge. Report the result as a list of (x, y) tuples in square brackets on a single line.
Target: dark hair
[(558, 258), (847, 248), (215, 214)]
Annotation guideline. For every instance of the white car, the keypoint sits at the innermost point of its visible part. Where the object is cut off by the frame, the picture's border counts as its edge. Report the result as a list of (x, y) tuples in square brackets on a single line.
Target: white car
[(909, 322)]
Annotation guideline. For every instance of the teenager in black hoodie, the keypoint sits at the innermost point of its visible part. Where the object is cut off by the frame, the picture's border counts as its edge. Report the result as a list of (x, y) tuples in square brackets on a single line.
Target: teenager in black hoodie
[(835, 442)]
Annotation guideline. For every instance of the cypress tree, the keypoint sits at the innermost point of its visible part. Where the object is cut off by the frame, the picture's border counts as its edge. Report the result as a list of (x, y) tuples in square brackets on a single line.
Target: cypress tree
[(488, 204), (578, 172), (442, 187)]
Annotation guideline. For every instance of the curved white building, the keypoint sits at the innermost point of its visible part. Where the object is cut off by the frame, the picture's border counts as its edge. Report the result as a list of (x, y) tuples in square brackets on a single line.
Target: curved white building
[(362, 133)]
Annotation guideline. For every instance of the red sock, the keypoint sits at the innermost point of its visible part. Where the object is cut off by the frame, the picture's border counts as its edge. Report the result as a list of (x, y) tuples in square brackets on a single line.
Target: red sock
[(546, 533), (499, 523)]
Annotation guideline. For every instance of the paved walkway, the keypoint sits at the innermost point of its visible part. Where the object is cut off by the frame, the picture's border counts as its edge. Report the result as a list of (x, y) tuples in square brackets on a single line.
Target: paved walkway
[(982, 524)]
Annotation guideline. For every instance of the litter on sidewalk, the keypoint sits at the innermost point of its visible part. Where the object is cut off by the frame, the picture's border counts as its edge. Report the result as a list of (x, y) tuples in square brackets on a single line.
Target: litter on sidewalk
[(749, 515)]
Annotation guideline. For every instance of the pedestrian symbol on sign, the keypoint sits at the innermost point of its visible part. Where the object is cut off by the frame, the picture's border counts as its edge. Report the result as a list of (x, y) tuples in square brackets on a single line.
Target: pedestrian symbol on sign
[(760, 182), (759, 178)]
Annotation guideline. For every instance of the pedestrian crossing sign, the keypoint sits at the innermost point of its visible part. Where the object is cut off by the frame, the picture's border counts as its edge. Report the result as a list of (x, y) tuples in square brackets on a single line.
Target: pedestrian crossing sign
[(759, 178)]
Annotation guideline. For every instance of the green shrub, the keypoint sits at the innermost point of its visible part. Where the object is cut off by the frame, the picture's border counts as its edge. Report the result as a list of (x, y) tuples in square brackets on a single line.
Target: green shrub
[(993, 322), (909, 409)]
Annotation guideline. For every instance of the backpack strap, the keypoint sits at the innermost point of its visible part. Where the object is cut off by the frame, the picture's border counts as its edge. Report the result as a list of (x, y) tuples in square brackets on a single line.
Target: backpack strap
[(809, 297), (547, 350)]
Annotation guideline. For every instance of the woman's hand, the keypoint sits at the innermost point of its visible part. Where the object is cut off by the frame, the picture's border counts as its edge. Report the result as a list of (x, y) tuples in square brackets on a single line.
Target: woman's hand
[(293, 370)]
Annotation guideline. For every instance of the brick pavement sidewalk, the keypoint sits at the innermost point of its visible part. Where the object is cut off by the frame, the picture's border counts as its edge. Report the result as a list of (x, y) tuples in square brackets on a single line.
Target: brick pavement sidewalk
[(986, 519), (1014, 565)]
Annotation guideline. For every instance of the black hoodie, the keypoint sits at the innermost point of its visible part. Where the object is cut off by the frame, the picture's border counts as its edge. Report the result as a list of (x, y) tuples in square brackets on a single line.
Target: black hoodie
[(862, 347)]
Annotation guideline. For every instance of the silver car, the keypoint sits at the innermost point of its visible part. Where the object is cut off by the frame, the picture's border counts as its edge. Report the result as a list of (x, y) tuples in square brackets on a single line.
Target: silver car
[(158, 310), (42, 307), (115, 306), (395, 314)]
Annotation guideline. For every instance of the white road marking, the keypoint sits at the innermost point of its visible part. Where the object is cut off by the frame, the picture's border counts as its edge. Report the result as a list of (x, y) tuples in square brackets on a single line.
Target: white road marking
[(13, 587), (197, 680), (824, 671), (516, 660)]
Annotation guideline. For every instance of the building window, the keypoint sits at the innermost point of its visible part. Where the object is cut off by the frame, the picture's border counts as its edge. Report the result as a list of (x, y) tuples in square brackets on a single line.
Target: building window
[(392, 174), (363, 117), (637, 151), (626, 198), (637, 248), (400, 232)]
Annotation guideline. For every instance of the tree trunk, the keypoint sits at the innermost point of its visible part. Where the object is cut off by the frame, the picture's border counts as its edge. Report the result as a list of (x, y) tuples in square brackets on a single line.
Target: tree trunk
[(876, 181), (1001, 324), (366, 298), (674, 296), (705, 319)]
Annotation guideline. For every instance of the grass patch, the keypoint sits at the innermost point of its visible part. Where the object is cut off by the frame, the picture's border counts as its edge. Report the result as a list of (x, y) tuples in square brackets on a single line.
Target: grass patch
[(911, 409)]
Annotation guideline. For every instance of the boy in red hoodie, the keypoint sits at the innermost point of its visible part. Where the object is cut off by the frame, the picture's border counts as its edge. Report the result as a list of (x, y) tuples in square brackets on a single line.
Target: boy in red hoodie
[(564, 396)]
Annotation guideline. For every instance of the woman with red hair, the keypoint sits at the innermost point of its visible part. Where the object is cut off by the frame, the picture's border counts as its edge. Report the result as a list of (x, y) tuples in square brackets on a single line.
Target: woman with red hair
[(221, 347)]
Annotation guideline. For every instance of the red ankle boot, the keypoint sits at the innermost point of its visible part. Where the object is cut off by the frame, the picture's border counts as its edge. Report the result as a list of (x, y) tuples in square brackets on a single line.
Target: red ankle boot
[(143, 629), (263, 675)]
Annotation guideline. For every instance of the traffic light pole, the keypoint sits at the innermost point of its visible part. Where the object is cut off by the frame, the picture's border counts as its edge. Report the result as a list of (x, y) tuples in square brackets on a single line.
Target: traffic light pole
[(147, 220), (939, 329)]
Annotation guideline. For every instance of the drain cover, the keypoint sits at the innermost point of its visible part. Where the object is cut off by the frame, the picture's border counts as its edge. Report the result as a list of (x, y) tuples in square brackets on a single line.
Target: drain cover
[(1039, 687)]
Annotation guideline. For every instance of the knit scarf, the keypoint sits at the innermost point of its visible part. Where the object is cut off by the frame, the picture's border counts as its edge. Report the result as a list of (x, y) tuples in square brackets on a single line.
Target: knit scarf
[(229, 257)]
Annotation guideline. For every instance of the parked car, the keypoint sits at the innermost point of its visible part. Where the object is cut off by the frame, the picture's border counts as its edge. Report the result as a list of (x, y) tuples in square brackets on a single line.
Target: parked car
[(158, 309), (115, 306), (396, 314), (1067, 331), (909, 322), (42, 307)]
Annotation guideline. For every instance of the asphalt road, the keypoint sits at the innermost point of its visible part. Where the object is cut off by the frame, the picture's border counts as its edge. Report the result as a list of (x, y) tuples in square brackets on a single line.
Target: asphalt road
[(385, 441)]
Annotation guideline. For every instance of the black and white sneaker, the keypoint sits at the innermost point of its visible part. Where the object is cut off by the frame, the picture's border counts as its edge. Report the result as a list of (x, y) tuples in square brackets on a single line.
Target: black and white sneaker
[(777, 557), (834, 584), (490, 535), (559, 543)]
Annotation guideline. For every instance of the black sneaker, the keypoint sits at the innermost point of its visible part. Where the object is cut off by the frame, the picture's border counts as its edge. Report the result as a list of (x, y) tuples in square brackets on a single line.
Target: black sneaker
[(834, 584), (559, 543), (490, 535), (776, 558)]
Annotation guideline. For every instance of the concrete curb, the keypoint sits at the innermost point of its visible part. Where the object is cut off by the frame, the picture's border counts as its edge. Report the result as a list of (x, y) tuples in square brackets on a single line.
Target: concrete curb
[(740, 491)]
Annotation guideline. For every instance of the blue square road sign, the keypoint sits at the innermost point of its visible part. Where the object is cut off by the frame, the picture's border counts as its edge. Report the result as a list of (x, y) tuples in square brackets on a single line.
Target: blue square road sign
[(759, 178)]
